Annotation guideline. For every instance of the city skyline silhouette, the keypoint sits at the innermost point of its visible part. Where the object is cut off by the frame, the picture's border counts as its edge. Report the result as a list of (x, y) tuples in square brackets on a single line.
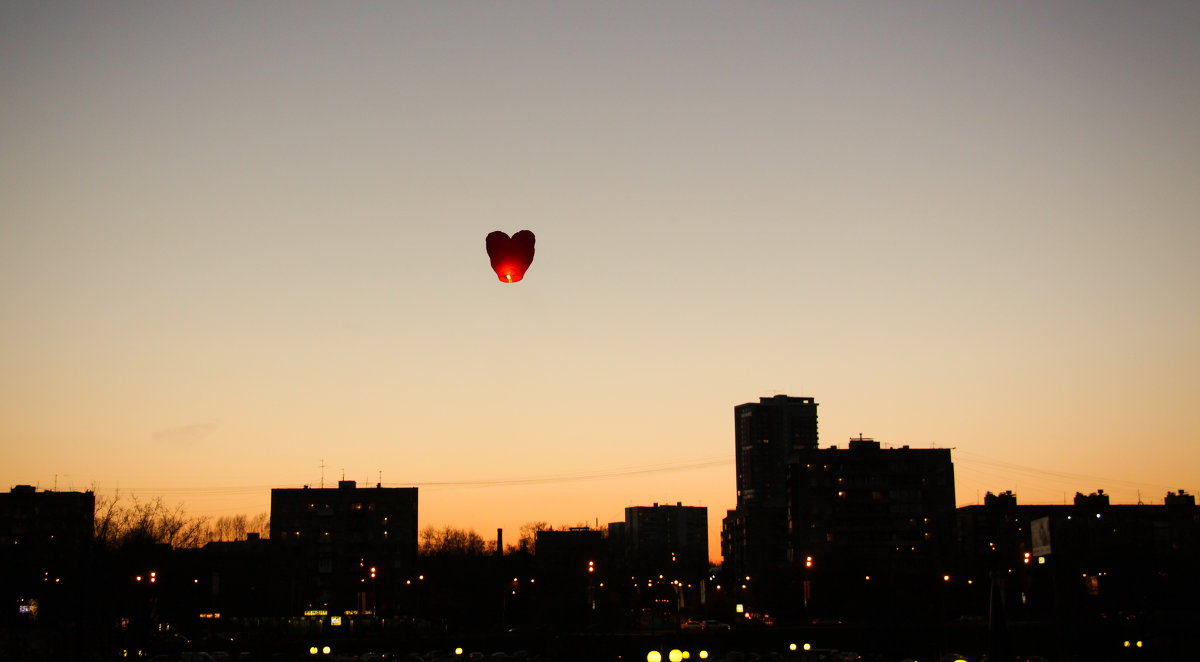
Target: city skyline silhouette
[(241, 248), (837, 545)]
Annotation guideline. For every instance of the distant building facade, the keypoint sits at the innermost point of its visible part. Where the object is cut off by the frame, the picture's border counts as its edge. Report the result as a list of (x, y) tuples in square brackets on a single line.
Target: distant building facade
[(809, 519), (1085, 557), (571, 548), (662, 537), (570, 565), (878, 509), (343, 549), (54, 523), (866, 521), (45, 545)]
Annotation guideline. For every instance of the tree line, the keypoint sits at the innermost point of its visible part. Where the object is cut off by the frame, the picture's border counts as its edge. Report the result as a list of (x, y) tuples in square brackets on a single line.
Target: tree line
[(125, 520), (452, 541)]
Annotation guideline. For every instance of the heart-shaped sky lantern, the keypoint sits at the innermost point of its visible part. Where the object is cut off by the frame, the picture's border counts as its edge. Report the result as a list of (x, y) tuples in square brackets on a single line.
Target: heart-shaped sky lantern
[(511, 256)]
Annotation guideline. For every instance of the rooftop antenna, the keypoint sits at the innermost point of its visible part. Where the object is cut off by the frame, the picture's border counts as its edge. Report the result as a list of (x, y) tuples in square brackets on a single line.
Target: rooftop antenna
[(381, 477), (322, 473)]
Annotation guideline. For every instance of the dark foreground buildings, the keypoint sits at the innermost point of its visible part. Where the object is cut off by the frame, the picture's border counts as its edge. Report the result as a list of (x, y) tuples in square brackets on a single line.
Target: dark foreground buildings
[(1085, 556), (866, 521), (665, 538), (849, 541), (343, 549), (45, 552), (820, 530)]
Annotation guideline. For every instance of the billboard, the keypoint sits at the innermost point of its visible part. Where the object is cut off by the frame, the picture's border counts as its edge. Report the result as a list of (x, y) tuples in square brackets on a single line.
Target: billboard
[(1039, 530)]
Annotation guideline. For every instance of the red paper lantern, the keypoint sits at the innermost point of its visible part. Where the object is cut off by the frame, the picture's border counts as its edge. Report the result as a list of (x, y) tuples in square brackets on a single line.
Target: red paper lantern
[(510, 256)]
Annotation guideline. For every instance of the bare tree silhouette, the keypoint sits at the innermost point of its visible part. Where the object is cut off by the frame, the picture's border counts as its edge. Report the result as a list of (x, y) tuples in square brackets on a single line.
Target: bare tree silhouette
[(127, 522), (449, 541)]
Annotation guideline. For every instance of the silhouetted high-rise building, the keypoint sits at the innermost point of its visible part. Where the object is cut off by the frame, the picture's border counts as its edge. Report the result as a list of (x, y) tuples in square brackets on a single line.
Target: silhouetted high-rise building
[(345, 548), (661, 538), (767, 436)]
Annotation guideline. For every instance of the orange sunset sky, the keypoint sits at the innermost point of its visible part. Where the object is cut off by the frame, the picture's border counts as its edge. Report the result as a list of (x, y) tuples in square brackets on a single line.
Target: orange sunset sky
[(240, 240)]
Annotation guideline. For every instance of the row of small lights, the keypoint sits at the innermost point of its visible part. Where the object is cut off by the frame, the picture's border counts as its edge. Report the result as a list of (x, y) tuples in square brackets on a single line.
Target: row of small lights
[(676, 655), (591, 568)]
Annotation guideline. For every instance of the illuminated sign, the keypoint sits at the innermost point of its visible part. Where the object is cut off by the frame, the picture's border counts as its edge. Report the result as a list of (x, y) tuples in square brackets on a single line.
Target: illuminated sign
[(316, 612)]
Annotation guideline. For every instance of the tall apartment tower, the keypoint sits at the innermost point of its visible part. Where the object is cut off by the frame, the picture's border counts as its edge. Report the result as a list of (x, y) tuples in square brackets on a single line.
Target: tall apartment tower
[(768, 433), (768, 436)]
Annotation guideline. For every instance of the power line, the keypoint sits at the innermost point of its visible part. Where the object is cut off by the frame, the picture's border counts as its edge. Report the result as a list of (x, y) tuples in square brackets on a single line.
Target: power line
[(603, 474), (979, 466), (1011, 470)]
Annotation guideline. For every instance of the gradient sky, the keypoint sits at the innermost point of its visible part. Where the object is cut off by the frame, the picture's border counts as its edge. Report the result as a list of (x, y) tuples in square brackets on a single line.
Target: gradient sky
[(240, 239)]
